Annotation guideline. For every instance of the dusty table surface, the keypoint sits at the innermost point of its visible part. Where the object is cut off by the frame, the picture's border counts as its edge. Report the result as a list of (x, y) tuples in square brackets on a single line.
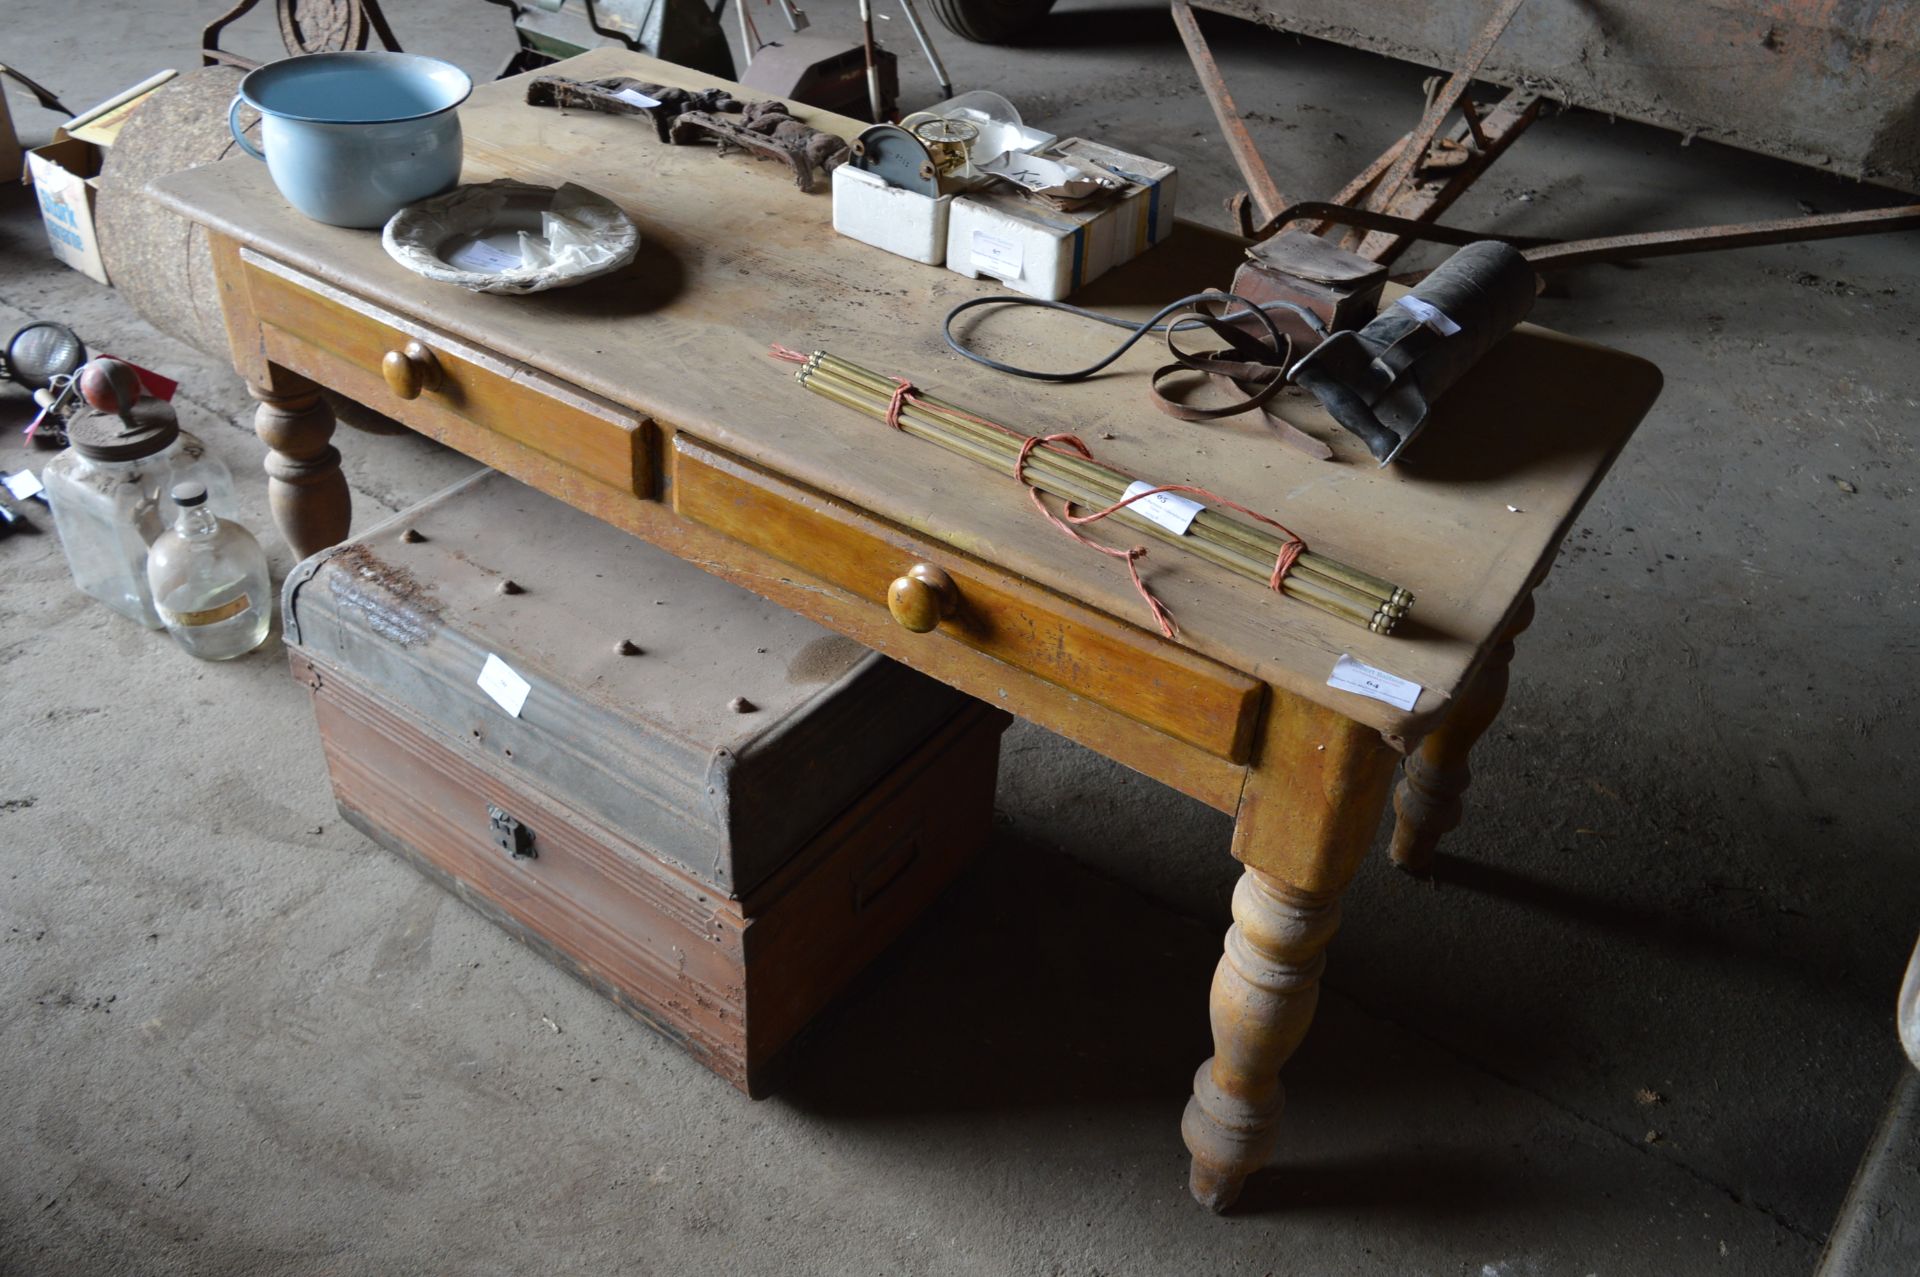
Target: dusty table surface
[(733, 258)]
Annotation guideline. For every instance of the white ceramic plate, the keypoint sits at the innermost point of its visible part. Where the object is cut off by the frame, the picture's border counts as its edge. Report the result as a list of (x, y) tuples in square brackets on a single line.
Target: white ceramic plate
[(471, 236)]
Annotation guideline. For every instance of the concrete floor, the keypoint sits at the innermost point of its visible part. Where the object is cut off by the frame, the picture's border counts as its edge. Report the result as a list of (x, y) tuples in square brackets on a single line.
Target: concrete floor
[(1640, 1022)]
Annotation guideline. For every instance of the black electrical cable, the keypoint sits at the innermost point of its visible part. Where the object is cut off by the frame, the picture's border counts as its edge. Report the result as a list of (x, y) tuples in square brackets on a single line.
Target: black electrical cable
[(1141, 329)]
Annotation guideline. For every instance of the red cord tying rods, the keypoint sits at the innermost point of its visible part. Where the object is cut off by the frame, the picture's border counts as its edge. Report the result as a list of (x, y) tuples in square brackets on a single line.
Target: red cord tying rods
[(904, 392)]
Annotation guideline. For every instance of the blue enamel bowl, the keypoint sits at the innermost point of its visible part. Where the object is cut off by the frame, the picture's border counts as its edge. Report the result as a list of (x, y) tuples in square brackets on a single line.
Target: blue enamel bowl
[(352, 138)]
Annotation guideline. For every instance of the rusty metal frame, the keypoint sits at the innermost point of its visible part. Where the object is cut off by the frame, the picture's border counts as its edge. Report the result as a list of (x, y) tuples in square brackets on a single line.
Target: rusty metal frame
[(1396, 198), (1551, 254), (211, 54), (1703, 239), (1434, 187), (1440, 105), (1396, 183), (1266, 195)]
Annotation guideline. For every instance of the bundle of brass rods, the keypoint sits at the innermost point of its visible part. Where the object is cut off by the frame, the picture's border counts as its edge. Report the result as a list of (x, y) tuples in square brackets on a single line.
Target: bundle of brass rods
[(1248, 549)]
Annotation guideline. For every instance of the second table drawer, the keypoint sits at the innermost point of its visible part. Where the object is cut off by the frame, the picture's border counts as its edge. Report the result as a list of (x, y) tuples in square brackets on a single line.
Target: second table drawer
[(1184, 695)]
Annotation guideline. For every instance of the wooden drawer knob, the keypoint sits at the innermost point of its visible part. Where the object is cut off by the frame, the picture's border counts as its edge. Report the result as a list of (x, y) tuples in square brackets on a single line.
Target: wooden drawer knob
[(410, 371), (922, 598)]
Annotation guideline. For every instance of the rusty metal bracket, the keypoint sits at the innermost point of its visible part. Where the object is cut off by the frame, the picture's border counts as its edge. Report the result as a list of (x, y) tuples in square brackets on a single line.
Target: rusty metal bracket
[(604, 96), (768, 131)]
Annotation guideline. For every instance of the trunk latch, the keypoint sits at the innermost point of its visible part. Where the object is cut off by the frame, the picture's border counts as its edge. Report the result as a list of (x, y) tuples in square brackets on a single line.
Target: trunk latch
[(509, 835)]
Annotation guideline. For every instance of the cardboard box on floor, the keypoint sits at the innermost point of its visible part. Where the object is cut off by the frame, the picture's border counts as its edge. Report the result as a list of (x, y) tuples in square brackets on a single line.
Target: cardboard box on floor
[(64, 173)]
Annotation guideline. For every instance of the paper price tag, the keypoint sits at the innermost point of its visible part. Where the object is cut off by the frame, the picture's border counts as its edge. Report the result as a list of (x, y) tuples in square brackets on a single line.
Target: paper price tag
[(1169, 510), (1430, 315), (1364, 680), (507, 688), (996, 256), (482, 256), (636, 97), (23, 485)]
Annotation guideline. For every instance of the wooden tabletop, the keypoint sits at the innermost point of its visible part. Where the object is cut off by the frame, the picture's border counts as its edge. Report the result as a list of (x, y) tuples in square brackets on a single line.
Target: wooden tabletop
[(732, 258)]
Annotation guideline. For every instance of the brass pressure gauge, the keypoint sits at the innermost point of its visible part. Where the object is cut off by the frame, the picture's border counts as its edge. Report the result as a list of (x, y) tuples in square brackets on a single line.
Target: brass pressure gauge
[(948, 141)]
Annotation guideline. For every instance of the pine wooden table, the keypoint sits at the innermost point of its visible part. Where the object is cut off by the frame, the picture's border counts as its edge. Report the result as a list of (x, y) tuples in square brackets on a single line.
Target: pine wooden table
[(648, 399)]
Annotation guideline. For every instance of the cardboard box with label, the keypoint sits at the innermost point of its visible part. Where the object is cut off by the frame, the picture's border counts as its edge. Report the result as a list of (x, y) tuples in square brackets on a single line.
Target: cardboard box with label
[(64, 173)]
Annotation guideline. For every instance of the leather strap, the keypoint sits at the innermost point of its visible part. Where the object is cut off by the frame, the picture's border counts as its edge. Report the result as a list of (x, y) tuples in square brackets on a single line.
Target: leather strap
[(1251, 365)]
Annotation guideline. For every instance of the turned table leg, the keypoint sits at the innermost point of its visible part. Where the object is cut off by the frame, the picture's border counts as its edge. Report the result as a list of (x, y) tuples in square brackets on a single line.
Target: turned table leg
[(1427, 802), (1305, 823), (305, 487)]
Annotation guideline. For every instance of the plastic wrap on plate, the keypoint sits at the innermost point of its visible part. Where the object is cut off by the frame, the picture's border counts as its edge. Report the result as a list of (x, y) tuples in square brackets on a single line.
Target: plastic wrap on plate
[(512, 237)]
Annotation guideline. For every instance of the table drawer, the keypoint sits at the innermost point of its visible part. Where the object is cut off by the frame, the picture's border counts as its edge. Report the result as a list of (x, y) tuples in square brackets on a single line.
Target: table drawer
[(341, 341), (1186, 696)]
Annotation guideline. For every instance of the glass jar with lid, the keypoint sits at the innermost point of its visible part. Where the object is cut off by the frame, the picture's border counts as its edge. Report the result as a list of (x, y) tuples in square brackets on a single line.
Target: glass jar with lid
[(109, 488)]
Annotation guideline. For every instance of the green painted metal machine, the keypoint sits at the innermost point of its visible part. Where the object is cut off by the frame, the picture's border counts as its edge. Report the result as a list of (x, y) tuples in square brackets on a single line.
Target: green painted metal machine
[(682, 31)]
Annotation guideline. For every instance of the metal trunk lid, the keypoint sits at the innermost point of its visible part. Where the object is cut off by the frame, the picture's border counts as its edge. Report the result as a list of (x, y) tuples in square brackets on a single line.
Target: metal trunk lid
[(733, 734)]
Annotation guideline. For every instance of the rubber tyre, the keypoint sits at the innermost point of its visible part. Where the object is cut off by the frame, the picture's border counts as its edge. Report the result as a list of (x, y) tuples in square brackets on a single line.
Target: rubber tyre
[(991, 21)]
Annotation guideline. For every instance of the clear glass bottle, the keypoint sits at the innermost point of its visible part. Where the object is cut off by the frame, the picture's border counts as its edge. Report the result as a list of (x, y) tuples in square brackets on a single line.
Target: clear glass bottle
[(109, 491), (208, 578)]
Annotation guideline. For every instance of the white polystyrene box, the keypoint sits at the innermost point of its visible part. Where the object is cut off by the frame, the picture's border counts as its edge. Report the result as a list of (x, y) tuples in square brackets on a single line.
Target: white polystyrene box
[(1039, 250), (1025, 245), (1145, 216), (903, 222)]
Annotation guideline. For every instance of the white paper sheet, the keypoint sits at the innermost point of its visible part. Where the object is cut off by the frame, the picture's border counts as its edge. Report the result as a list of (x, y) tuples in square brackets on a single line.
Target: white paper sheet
[(996, 256), (507, 688), (1168, 509), (1364, 680)]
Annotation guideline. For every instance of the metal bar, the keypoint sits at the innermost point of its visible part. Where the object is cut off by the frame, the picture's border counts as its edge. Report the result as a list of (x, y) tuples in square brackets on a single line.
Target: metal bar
[(1425, 200), (748, 45), (873, 62), (1267, 199), (926, 47), (211, 54), (1341, 215), (1706, 239), (1364, 180), (1471, 114), (41, 93), (1443, 102), (220, 57), (1354, 193), (380, 27), (1548, 255)]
